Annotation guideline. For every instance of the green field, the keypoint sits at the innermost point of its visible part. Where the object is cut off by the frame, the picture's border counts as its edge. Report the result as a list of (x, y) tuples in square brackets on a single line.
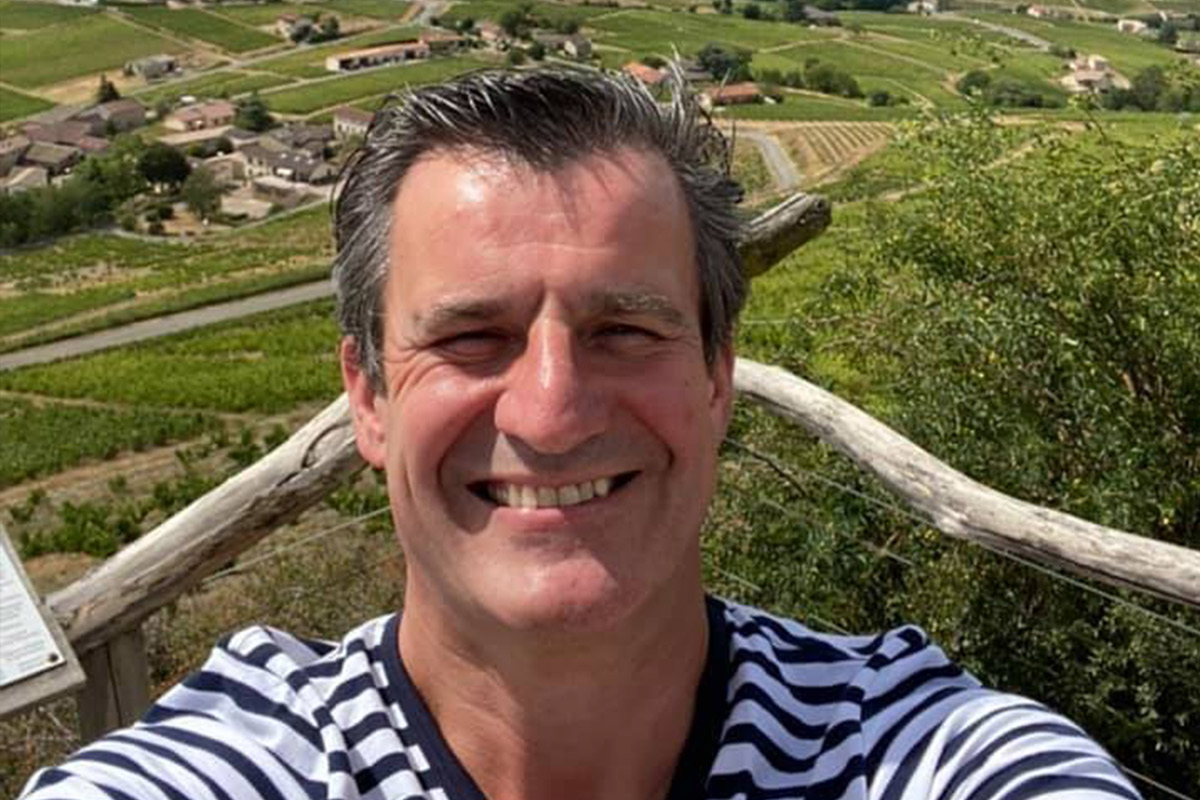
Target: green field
[(14, 105), (309, 62), (201, 25), (259, 14), (316, 96), (46, 438), (96, 42), (26, 15), (1128, 54), (89, 273), (659, 31), (227, 83), (553, 13), (806, 107), (269, 363)]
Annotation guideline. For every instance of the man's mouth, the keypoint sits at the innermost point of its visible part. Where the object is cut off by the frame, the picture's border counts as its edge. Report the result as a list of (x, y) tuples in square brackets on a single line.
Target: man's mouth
[(522, 495)]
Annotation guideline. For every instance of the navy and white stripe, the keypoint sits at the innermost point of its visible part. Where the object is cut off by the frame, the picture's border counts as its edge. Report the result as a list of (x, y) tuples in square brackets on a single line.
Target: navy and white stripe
[(782, 712)]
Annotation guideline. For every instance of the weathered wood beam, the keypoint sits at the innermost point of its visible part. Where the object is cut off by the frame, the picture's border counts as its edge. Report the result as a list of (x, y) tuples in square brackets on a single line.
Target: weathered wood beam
[(191, 545), (778, 231), (966, 509)]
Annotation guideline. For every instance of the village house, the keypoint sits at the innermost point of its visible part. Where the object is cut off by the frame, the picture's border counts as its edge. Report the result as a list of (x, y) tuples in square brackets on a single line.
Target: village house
[(11, 150), (291, 165), (820, 17), (350, 122), (1131, 26), (492, 33), (443, 41), (22, 179), (56, 159), (926, 7), (377, 56), (1089, 74), (648, 75), (578, 47), (293, 26), (312, 139), (552, 41), (731, 95), (72, 133), (115, 116), (201, 116), (152, 67), (1044, 12)]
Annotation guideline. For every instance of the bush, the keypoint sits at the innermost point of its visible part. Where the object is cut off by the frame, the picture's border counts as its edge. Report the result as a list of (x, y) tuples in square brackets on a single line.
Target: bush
[(1040, 323)]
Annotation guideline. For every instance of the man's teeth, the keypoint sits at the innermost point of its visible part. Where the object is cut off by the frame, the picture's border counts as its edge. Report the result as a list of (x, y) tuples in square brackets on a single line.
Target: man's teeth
[(520, 496)]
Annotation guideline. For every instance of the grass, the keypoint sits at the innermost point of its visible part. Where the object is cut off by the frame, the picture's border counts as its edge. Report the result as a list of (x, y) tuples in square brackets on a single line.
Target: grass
[(47, 438), (553, 13), (750, 169), (378, 9), (268, 363), (14, 105), (1128, 54), (657, 31), (226, 83), (96, 42), (25, 15), (808, 107), (356, 86), (309, 62), (88, 274), (197, 24)]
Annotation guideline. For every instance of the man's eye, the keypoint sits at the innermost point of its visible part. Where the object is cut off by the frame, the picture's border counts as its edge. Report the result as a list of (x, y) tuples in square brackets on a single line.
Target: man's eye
[(473, 344), (627, 332)]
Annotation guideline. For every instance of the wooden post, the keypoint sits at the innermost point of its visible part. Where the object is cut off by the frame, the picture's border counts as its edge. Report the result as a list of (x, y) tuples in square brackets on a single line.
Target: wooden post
[(118, 685)]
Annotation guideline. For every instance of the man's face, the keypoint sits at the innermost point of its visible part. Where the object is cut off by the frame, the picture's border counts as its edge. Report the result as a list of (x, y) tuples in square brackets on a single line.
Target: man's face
[(548, 425)]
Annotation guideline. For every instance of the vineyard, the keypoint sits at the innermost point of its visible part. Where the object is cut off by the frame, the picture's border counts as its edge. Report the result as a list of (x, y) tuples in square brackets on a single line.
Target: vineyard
[(198, 24), (823, 150)]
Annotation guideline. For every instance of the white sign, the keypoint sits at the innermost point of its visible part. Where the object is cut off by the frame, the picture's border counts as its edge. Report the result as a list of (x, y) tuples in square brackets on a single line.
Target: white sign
[(26, 645)]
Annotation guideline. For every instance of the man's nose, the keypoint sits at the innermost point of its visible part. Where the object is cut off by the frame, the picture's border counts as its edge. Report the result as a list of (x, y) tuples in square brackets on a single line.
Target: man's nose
[(550, 402)]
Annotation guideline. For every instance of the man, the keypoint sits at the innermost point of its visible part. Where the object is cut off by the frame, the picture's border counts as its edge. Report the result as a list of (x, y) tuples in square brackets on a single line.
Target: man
[(538, 281)]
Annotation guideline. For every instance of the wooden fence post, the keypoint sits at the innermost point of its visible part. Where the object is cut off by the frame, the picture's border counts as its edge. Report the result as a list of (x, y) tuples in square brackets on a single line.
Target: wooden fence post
[(118, 685)]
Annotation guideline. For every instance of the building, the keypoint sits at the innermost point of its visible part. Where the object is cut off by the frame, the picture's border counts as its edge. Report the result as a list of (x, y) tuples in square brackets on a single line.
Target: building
[(820, 17), (312, 139), (22, 179), (1131, 26), (290, 165), (444, 42), (553, 42), (650, 76), (578, 47), (56, 159), (924, 7), (492, 33), (731, 95), (293, 26), (1094, 62), (351, 122), (70, 133), (213, 114), (115, 115), (377, 56), (152, 67), (11, 150)]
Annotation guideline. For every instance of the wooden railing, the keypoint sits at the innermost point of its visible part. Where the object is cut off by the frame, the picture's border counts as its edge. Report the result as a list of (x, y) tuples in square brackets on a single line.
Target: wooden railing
[(102, 612)]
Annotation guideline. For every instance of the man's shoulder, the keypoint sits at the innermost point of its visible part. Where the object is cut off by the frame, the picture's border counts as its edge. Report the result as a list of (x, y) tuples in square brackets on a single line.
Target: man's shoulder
[(846, 715)]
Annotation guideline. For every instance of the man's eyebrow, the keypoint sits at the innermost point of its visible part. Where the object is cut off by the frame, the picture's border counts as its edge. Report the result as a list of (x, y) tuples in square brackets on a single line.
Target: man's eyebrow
[(627, 303), (448, 313)]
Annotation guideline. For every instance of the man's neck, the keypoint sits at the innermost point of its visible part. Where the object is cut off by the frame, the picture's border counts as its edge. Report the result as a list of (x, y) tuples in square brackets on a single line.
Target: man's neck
[(545, 717)]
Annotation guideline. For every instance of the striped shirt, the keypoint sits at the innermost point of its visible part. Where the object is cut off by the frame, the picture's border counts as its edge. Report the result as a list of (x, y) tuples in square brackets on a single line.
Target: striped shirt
[(781, 712)]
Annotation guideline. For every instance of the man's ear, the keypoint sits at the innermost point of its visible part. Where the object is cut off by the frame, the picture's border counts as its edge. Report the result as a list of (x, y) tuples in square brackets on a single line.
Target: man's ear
[(366, 405), (721, 404)]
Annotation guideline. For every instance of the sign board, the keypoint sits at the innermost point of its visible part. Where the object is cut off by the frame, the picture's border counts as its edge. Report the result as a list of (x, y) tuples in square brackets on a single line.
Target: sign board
[(36, 661)]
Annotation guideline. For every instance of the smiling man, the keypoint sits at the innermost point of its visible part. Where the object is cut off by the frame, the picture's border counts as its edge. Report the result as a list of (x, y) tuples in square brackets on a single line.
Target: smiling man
[(538, 281)]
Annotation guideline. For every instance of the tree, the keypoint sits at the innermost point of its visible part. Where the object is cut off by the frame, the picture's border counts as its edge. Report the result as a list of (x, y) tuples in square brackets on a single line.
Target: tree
[(515, 58), (329, 28), (1168, 34), (252, 114), (793, 11), (537, 51), (202, 194), (106, 92), (752, 11), (974, 82), (725, 64), (513, 22), (164, 165)]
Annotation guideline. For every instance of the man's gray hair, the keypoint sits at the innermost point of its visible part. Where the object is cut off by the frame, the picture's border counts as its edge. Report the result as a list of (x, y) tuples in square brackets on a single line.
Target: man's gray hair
[(545, 119)]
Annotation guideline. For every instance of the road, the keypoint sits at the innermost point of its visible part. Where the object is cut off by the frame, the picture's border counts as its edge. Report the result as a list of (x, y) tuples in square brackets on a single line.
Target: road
[(787, 179), (1016, 33), (165, 325)]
